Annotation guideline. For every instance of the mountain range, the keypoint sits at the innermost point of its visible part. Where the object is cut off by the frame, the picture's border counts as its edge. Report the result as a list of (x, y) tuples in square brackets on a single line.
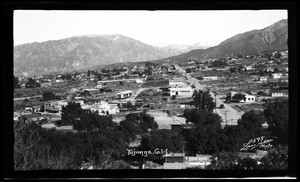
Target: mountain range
[(88, 51), (81, 52), (271, 38)]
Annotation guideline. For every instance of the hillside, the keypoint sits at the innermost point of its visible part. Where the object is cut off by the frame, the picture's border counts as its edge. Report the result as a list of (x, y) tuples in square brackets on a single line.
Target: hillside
[(81, 52), (271, 38)]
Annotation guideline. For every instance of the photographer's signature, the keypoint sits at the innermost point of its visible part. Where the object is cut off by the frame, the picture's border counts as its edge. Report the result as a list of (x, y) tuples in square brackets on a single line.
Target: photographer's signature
[(257, 143)]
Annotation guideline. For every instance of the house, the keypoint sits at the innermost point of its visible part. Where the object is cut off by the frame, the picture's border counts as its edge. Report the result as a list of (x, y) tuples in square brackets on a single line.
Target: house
[(199, 161), (206, 78), (263, 79), (102, 108), (175, 161), (59, 81), (276, 75), (81, 102), (36, 108), (124, 94), (279, 93), (182, 92), (91, 101), (54, 106), (249, 67), (91, 91), (180, 161), (139, 81), (249, 98)]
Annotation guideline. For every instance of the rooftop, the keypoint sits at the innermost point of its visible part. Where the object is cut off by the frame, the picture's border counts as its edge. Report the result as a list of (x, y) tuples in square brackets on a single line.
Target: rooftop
[(125, 92)]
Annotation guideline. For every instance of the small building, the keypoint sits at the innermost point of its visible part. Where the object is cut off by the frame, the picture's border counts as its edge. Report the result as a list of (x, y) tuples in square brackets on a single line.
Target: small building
[(102, 108), (182, 92), (91, 101), (249, 98), (124, 94), (139, 81), (249, 67), (54, 106), (263, 79), (279, 93), (91, 91), (206, 78), (174, 158), (276, 75)]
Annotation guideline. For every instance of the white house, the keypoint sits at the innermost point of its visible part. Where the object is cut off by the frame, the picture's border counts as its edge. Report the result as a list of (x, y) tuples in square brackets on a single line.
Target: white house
[(182, 92), (249, 98), (59, 81), (210, 78), (279, 93), (139, 81), (263, 79), (249, 67), (103, 108), (276, 75), (55, 105), (124, 94)]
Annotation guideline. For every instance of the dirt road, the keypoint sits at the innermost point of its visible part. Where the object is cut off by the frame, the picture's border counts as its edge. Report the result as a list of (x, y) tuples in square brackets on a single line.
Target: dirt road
[(228, 114)]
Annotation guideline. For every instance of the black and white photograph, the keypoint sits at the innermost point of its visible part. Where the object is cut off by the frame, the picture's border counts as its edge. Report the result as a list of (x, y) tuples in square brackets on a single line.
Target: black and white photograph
[(159, 90)]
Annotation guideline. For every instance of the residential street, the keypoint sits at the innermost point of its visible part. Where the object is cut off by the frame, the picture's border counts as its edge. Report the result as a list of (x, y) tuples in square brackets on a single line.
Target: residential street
[(229, 115)]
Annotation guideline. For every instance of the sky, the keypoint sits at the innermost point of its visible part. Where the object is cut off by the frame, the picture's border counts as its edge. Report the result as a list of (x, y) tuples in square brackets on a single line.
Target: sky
[(159, 28)]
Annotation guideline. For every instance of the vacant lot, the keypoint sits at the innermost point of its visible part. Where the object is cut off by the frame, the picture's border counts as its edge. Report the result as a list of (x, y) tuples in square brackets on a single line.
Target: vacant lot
[(164, 120), (245, 107)]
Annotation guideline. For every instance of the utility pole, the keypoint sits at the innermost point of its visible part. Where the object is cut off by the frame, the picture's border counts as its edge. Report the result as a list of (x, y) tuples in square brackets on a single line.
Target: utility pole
[(225, 112), (216, 102)]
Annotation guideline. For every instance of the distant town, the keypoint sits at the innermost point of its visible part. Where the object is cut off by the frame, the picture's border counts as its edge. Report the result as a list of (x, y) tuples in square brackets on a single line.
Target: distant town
[(200, 113)]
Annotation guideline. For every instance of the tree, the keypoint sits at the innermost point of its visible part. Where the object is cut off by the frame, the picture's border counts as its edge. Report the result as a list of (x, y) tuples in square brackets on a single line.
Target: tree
[(68, 77), (232, 69), (71, 112), (99, 77), (188, 70), (31, 83), (130, 127), (207, 135), (147, 122), (238, 97), (277, 55), (49, 96), (232, 161), (250, 126), (31, 153), (203, 100), (162, 139), (234, 140), (276, 159), (228, 97), (130, 107), (16, 83), (277, 116)]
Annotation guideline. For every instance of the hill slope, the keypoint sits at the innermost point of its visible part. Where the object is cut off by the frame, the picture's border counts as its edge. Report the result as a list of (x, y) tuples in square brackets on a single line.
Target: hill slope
[(271, 38), (81, 52)]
